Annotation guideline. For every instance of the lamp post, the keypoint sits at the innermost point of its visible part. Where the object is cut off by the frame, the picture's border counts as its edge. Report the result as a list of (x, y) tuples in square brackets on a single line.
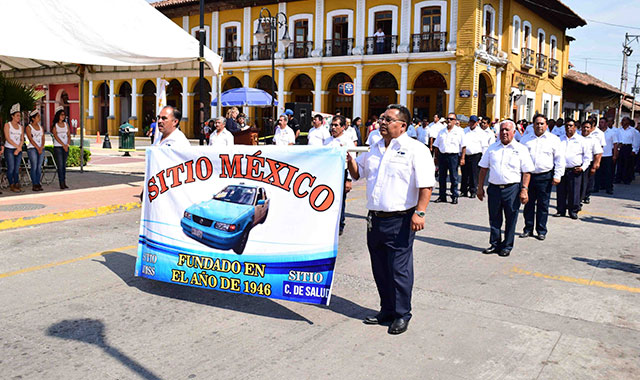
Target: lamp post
[(274, 24)]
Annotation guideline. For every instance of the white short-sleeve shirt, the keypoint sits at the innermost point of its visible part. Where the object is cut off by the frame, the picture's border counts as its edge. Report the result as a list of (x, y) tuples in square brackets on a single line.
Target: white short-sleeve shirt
[(224, 138), (546, 153), (284, 136), (176, 140), (506, 163), (611, 137), (577, 151), (317, 136), (396, 173), (450, 141)]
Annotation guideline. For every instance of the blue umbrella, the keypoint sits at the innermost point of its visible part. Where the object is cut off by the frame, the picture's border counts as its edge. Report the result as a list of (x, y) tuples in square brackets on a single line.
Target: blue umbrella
[(244, 96)]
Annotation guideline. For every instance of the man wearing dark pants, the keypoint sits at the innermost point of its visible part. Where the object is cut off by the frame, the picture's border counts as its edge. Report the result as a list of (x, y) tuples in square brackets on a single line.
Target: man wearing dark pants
[(577, 159), (510, 167), (548, 158), (629, 145), (604, 175), (400, 176), (596, 141), (475, 142), (450, 153)]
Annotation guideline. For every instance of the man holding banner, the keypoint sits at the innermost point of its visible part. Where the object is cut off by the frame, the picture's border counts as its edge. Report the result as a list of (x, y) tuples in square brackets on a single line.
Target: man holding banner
[(170, 135), (400, 178)]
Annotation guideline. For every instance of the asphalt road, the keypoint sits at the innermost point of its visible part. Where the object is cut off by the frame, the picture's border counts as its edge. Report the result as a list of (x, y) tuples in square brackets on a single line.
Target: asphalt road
[(565, 308)]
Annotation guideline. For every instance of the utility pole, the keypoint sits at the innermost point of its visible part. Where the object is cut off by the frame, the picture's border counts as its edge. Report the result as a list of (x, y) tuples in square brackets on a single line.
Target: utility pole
[(626, 52), (635, 90)]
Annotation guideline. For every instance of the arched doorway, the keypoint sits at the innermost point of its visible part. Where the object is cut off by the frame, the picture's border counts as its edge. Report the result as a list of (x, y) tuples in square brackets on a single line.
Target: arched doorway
[(125, 102), (201, 110), (484, 95), (428, 98), (301, 88), (62, 99), (103, 106), (264, 115), (174, 94), (148, 101), (341, 103), (382, 92), (230, 83)]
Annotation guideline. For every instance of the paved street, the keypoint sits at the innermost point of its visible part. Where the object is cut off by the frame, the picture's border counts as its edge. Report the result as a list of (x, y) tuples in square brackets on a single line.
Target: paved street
[(565, 308)]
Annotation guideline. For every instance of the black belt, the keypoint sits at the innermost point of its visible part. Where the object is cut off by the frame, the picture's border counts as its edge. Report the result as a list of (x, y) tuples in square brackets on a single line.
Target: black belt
[(543, 173), (451, 154), (391, 214), (505, 186)]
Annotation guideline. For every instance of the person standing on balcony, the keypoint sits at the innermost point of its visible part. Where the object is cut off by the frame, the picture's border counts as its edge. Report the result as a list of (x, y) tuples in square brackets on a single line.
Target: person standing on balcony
[(379, 35)]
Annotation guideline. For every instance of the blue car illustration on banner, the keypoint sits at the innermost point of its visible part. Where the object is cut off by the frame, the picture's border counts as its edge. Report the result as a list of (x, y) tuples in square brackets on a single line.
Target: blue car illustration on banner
[(225, 221)]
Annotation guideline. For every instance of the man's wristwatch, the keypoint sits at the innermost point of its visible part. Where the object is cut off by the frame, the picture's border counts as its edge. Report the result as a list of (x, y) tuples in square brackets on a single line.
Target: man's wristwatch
[(420, 213)]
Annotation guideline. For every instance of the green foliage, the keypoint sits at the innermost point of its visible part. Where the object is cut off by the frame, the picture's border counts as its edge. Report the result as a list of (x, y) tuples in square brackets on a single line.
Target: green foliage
[(74, 155), (13, 91)]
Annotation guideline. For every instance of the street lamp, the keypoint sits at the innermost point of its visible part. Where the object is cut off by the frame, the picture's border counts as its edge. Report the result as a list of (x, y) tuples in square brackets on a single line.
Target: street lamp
[(274, 23)]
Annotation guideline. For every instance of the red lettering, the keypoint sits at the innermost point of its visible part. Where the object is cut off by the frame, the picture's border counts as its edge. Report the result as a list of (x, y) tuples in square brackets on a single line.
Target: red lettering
[(287, 182), (226, 167), (152, 189), (298, 182), (173, 173), (208, 165), (163, 185), (254, 163), (328, 201), (274, 177), (189, 165)]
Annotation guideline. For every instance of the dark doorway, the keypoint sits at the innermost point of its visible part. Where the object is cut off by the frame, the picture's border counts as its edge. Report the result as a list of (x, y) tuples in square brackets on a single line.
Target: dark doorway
[(428, 98), (125, 102), (103, 106), (341, 103), (382, 92), (148, 101)]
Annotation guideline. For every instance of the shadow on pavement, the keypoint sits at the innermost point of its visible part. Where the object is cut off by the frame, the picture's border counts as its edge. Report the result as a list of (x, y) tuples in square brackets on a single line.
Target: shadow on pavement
[(354, 216), (447, 243), (471, 227), (123, 266), (91, 331), (611, 264), (348, 308), (608, 221)]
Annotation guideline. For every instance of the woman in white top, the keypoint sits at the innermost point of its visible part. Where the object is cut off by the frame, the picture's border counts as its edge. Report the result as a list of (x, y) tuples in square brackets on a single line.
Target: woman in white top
[(35, 148), (61, 138), (13, 140)]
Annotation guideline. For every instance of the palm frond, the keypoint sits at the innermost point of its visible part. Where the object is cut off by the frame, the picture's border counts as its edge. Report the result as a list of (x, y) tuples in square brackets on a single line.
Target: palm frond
[(13, 91)]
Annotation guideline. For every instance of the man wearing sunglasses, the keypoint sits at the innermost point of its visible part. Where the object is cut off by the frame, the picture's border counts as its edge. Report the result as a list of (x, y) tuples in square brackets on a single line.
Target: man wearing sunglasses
[(449, 155), (168, 126), (399, 172)]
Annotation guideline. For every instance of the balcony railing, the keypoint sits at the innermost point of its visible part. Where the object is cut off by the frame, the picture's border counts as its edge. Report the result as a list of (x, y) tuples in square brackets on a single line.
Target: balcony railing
[(490, 45), (553, 67), (382, 45), (541, 63), (229, 54), (260, 52), (428, 42), (527, 58), (338, 47), (299, 49)]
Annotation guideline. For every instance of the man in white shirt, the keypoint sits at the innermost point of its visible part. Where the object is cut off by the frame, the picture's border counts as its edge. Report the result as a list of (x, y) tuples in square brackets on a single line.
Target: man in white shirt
[(339, 138), (475, 142), (434, 129), (596, 140), (509, 165), (604, 175), (547, 155), (578, 156), (422, 131), (168, 126), (319, 133), (558, 130), (284, 135), (629, 145), (399, 175), (491, 135), (221, 136), (379, 36), (450, 154)]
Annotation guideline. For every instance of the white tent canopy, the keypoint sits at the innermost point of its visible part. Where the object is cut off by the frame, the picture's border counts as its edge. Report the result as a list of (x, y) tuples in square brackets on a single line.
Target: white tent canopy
[(49, 33)]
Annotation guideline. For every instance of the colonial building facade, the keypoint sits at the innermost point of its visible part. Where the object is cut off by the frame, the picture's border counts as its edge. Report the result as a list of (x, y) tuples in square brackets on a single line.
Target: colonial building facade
[(496, 58)]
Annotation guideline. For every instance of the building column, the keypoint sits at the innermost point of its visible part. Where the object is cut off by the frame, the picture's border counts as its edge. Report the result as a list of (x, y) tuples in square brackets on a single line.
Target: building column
[(245, 83), (404, 77), (185, 23), (453, 31), (360, 19), (318, 46), (280, 91), (185, 98), (214, 33), (214, 94), (282, 7), (112, 99), (405, 24), (357, 98), (452, 87), (91, 102), (134, 99), (497, 100), (317, 94), (246, 34)]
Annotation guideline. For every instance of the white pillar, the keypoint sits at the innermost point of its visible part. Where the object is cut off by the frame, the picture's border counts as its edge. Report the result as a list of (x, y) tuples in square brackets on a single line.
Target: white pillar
[(404, 78), (282, 7), (112, 99), (185, 23), (246, 32), (318, 46), (453, 31), (280, 91), (90, 100), (185, 98), (134, 99), (158, 95), (497, 100), (214, 34), (317, 94), (214, 94), (357, 96), (452, 87), (499, 33), (245, 83), (405, 23), (360, 31)]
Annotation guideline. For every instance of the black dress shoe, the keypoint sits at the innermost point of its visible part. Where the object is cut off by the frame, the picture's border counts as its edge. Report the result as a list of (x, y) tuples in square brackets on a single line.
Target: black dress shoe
[(526, 234), (586, 201), (472, 195), (490, 250), (559, 214), (573, 215), (377, 319), (454, 201), (609, 192), (504, 253), (463, 194), (398, 326), (541, 237), (440, 200)]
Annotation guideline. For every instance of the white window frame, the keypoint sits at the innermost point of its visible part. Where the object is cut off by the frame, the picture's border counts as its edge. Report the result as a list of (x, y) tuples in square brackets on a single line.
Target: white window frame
[(547, 98), (382, 8), (339, 12), (489, 8), (517, 34), (223, 36), (543, 48), (553, 47), (558, 99), (417, 14), (297, 17), (526, 23), (207, 34)]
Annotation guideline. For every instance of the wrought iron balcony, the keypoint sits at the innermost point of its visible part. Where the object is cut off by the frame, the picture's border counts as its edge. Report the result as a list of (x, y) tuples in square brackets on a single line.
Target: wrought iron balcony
[(229, 54), (261, 51), (553, 67), (527, 58), (382, 45), (338, 47), (299, 49), (541, 63), (490, 45), (428, 42)]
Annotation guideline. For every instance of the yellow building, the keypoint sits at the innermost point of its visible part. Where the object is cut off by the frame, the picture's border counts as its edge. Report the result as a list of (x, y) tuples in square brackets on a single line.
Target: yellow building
[(435, 56)]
